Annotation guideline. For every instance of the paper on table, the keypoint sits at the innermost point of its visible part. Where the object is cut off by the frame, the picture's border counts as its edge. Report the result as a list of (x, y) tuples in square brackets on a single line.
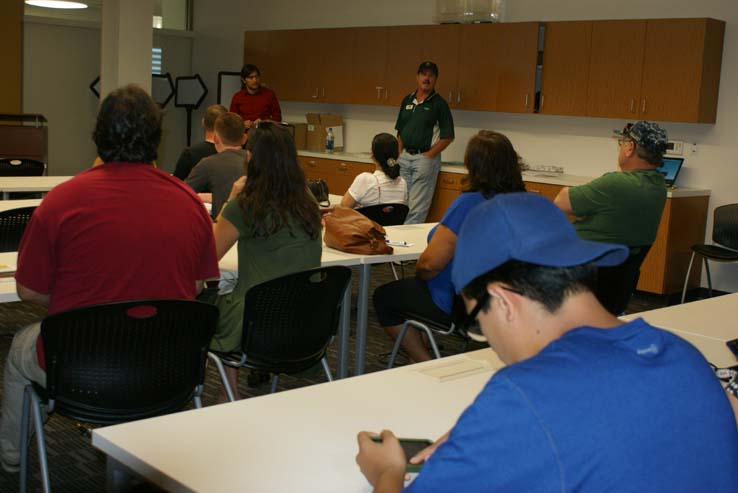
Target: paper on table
[(458, 369), (399, 243), (5, 268)]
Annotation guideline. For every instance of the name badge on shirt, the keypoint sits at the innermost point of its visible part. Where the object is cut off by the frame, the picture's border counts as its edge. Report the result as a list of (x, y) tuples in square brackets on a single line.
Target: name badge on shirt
[(409, 107)]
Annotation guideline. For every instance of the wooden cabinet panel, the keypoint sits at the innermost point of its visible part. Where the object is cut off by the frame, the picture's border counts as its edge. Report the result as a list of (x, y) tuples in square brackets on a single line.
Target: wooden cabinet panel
[(403, 57), (517, 55), (368, 65), (334, 48), (673, 69), (615, 68), (477, 67), (339, 175), (440, 44), (565, 74), (448, 187), (547, 190), (11, 47)]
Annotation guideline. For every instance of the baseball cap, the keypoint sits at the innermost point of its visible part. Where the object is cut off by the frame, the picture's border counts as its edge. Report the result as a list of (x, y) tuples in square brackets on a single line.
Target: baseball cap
[(648, 135), (525, 227), (428, 66)]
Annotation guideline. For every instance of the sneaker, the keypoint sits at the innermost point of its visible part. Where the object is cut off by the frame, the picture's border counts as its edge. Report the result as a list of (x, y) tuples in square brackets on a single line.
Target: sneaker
[(9, 467)]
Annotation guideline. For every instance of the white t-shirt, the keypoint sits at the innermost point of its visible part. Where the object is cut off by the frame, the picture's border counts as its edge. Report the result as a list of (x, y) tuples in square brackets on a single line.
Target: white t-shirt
[(378, 188)]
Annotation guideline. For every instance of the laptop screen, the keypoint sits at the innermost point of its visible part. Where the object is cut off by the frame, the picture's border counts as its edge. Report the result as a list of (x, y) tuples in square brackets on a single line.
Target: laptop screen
[(670, 167)]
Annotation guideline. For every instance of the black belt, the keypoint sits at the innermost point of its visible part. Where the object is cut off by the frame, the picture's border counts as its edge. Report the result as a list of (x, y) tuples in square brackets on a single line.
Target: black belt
[(416, 151)]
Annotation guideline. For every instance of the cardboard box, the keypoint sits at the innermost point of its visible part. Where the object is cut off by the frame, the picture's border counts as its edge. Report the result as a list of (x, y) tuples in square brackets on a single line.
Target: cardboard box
[(317, 130), (300, 135)]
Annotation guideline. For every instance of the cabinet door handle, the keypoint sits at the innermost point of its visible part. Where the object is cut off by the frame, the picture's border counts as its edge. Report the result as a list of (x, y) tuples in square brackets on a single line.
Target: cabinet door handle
[(449, 181), (543, 98), (312, 164), (632, 105), (643, 106), (386, 94), (342, 166), (315, 94), (379, 92), (526, 100), (323, 96), (533, 190), (458, 96)]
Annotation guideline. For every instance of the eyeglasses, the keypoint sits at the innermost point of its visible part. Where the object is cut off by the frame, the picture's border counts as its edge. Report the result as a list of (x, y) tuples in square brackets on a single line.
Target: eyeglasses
[(469, 325)]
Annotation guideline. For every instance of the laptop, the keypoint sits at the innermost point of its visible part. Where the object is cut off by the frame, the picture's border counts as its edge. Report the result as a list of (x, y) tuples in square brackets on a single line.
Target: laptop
[(670, 167)]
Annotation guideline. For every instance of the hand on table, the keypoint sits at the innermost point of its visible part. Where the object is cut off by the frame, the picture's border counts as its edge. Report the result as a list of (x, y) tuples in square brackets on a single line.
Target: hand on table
[(382, 463)]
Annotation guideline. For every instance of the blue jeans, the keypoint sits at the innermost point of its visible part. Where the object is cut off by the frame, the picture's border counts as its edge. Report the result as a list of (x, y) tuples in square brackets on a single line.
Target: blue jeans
[(420, 173)]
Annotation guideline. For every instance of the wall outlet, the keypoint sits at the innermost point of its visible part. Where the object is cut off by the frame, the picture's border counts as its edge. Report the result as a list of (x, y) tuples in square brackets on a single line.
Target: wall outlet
[(675, 147)]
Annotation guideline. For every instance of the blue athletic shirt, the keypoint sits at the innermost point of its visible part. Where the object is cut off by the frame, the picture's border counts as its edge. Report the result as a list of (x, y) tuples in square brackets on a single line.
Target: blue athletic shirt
[(628, 409), (440, 287)]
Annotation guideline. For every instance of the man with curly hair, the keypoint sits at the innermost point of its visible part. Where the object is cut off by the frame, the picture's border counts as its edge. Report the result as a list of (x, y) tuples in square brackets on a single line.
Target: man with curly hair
[(120, 231)]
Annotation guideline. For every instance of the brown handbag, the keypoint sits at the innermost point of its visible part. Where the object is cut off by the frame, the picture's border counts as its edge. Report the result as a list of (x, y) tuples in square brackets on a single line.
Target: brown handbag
[(352, 232)]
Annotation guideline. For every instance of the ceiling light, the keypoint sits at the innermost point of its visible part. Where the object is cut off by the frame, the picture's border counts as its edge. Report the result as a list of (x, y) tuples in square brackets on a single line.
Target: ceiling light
[(57, 4)]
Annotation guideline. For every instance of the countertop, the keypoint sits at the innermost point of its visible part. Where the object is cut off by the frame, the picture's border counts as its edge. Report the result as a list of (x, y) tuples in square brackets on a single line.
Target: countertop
[(565, 180)]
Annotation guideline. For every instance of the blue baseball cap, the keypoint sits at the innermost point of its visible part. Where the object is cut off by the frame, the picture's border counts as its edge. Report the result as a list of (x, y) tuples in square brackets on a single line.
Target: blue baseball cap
[(648, 135), (525, 227)]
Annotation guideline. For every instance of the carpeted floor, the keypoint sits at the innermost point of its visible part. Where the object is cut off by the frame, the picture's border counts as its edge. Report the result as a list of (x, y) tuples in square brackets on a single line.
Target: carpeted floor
[(76, 466)]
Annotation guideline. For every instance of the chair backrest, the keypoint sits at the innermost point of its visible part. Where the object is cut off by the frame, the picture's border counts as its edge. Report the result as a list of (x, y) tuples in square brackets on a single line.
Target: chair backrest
[(725, 226), (13, 223), (386, 214), (21, 167), (616, 284), (125, 361), (289, 321)]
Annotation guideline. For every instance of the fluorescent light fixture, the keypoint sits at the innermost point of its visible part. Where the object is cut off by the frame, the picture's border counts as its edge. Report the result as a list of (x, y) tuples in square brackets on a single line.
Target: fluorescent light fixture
[(57, 4)]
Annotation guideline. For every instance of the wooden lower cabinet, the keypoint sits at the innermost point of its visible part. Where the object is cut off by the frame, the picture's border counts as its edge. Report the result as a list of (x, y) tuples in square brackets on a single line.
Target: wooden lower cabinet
[(682, 225), (339, 175)]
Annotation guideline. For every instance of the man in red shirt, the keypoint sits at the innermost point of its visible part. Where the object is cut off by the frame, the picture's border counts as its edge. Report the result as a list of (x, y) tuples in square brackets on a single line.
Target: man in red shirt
[(254, 102), (120, 231)]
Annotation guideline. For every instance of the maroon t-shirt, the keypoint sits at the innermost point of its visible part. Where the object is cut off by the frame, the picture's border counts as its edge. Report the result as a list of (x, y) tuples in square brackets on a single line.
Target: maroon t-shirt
[(117, 232), (260, 106)]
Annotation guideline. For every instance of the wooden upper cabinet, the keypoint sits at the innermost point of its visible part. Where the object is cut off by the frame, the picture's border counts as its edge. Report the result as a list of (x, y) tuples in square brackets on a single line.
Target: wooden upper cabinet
[(440, 44), (565, 76), (681, 70), (404, 55), (477, 88), (334, 48), (516, 53), (615, 68), (368, 65)]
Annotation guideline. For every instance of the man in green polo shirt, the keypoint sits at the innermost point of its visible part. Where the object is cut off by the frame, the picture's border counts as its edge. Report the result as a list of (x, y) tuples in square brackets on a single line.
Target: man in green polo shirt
[(424, 129), (623, 206)]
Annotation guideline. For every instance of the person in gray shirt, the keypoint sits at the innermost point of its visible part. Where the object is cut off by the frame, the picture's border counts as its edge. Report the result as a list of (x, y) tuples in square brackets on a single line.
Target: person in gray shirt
[(216, 173)]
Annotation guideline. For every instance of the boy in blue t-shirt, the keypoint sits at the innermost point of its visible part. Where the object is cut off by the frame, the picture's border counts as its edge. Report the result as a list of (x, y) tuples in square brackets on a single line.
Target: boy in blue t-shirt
[(587, 402)]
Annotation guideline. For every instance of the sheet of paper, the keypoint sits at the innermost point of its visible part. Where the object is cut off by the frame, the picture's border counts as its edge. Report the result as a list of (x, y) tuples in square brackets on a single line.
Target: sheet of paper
[(454, 370)]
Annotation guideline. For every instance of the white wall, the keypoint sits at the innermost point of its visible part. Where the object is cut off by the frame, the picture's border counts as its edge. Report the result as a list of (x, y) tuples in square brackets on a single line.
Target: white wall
[(582, 145), (60, 60)]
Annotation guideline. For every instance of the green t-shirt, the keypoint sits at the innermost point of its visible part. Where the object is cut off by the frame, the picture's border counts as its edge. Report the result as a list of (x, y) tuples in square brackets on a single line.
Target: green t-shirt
[(620, 207), (287, 251), (416, 123)]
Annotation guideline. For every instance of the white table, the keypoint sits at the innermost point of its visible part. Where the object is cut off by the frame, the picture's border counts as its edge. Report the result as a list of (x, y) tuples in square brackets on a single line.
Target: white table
[(708, 324), (415, 234), (299, 440), (6, 205), (7, 281), (29, 183)]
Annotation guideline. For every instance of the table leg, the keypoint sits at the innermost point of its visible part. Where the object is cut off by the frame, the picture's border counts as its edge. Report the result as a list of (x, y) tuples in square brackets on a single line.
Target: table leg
[(118, 477), (344, 328), (362, 310)]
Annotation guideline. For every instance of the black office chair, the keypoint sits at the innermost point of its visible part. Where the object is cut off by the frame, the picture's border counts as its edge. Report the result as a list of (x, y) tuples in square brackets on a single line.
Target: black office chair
[(386, 214), (288, 324), (430, 327), (725, 239), (118, 362), (13, 223), (616, 284), (10, 166)]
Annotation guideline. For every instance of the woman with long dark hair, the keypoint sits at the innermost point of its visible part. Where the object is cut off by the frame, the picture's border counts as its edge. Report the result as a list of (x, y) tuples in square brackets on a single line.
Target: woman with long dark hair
[(384, 185), (275, 220), (493, 167)]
